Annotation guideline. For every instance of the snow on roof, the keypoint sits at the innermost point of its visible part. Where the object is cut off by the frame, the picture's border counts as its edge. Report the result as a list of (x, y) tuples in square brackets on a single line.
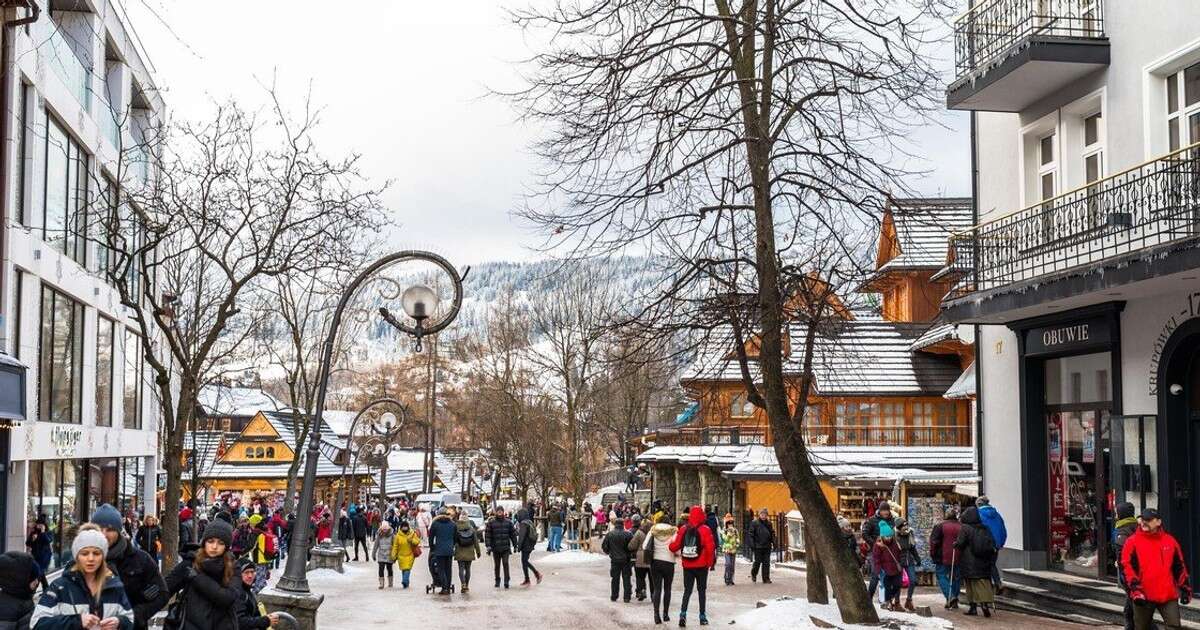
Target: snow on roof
[(401, 481), (924, 228), (937, 333), (204, 444), (964, 387), (859, 357), (407, 459), (754, 460), (223, 400), (339, 421)]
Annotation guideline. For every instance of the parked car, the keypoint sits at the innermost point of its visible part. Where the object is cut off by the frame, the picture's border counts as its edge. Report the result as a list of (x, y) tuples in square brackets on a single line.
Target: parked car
[(474, 512)]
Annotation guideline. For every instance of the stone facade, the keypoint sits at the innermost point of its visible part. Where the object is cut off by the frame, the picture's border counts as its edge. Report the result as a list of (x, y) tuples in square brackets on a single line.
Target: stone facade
[(664, 483), (715, 489), (687, 488)]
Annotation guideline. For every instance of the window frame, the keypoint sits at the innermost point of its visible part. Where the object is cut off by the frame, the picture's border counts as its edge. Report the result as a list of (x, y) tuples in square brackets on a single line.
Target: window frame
[(138, 370), (48, 377), (1181, 117), (101, 411)]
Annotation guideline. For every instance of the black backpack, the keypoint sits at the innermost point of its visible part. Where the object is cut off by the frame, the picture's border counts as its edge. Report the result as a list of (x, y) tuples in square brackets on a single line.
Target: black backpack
[(465, 537), (690, 550)]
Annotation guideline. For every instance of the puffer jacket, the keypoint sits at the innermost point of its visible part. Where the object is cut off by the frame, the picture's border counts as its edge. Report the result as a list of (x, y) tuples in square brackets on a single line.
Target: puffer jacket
[(992, 520), (888, 556), (68, 597), (941, 542), (501, 535), (705, 539), (249, 615), (527, 535), (208, 604), (975, 545), (17, 571), (731, 541), (616, 546), (403, 545), (469, 552), (635, 545), (15, 611), (383, 548), (1153, 566), (441, 536), (659, 542), (760, 534), (144, 584)]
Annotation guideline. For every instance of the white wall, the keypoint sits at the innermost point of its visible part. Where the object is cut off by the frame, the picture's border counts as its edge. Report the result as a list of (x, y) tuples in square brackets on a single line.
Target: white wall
[(1002, 427)]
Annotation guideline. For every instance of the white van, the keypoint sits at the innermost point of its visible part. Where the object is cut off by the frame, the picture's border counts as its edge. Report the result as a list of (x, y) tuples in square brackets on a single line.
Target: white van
[(435, 501)]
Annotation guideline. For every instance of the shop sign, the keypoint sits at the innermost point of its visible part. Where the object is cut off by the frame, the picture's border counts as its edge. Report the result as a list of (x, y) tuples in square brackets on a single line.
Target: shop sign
[(1088, 334), (65, 440), (1190, 309)]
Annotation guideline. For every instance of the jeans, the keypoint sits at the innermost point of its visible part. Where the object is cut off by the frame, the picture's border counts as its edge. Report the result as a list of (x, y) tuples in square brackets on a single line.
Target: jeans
[(500, 559), (912, 580), (404, 573), (730, 563), (464, 572), (441, 571), (554, 540), (640, 574), (619, 573), (662, 573), (762, 558), (874, 583), (527, 566), (950, 587), (698, 579)]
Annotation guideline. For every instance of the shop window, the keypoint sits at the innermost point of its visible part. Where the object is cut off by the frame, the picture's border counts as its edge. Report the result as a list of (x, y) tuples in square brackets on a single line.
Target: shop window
[(60, 358), (740, 406)]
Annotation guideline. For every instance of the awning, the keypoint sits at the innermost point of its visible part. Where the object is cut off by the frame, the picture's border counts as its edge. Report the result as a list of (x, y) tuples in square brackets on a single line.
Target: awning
[(964, 386)]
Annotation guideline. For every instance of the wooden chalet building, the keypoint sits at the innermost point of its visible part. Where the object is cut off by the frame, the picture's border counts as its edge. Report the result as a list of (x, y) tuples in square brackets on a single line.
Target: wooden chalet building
[(880, 423)]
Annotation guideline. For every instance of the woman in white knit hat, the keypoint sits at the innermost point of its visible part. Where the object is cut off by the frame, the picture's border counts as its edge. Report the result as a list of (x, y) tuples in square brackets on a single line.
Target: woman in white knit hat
[(87, 594)]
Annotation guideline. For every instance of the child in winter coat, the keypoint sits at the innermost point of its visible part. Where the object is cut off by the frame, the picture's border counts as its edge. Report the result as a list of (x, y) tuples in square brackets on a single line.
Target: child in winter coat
[(384, 553), (731, 541), (886, 556), (406, 546)]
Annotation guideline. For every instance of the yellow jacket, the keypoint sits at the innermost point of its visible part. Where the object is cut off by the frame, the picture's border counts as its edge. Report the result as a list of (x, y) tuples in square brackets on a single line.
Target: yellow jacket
[(402, 548)]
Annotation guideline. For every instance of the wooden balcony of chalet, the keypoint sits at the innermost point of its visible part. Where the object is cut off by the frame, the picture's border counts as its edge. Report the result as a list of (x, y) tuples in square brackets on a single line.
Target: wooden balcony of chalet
[(820, 435)]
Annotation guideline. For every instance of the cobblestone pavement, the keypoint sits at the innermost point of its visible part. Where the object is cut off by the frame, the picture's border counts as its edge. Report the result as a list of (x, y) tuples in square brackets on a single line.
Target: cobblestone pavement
[(573, 593)]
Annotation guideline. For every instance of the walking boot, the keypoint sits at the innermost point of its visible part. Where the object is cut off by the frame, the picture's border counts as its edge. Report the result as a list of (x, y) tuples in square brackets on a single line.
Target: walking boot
[(497, 583), (908, 605), (538, 576), (953, 604), (703, 619), (971, 610), (987, 610), (466, 589), (525, 583), (657, 619), (381, 582), (682, 619), (391, 581)]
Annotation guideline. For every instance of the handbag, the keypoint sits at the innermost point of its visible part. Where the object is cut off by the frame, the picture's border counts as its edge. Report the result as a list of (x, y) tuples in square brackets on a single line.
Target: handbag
[(416, 549), (647, 551), (175, 612)]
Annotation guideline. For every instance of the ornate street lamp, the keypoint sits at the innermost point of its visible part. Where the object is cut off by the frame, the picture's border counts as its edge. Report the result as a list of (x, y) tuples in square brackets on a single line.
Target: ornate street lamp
[(420, 307)]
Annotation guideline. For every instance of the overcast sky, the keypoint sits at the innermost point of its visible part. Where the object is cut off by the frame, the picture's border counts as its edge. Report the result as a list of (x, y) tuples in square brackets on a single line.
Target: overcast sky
[(403, 83)]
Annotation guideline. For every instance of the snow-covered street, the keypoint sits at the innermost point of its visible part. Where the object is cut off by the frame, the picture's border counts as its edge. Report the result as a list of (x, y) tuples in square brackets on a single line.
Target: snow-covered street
[(574, 593)]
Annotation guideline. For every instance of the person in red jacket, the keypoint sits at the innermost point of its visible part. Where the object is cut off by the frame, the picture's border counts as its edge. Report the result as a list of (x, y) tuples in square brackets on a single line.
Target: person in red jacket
[(1155, 575), (695, 543)]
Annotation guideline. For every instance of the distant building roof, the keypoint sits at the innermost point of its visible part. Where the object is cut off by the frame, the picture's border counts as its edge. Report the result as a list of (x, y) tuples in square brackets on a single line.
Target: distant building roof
[(853, 357), (204, 446), (923, 229), (964, 387), (223, 400), (936, 334), (883, 462)]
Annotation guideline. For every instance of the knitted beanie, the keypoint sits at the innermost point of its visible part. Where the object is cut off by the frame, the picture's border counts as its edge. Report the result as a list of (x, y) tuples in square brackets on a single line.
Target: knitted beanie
[(89, 538)]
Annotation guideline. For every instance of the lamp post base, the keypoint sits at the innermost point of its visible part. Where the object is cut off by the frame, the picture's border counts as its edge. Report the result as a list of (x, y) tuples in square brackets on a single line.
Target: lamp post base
[(302, 606)]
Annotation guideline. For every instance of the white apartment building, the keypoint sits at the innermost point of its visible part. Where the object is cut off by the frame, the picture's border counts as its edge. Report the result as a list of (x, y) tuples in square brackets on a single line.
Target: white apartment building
[(1083, 269), (91, 429)]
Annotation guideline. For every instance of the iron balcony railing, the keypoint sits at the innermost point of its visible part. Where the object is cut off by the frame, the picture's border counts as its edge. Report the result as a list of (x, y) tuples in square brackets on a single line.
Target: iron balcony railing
[(1153, 204), (992, 28)]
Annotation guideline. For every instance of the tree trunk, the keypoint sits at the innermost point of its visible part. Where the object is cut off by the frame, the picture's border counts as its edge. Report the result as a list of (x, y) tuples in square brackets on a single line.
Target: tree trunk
[(814, 572), (172, 453), (289, 501)]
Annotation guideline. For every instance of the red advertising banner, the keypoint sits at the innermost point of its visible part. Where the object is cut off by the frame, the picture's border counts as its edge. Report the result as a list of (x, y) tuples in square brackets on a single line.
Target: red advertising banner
[(1060, 531)]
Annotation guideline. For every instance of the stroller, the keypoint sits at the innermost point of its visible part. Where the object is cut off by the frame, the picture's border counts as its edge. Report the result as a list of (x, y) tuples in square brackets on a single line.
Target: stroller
[(436, 584)]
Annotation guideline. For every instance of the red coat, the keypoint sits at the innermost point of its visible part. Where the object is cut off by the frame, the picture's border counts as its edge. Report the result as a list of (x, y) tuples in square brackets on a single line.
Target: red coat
[(886, 556), (324, 530), (708, 546), (1153, 566)]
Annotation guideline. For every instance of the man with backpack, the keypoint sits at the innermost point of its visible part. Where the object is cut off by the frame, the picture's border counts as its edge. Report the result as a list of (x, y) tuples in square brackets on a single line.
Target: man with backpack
[(526, 541), (760, 537), (263, 552), (697, 546), (616, 546)]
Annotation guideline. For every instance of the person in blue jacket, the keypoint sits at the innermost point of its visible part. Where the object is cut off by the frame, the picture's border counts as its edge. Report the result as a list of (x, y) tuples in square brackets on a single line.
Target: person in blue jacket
[(995, 524), (441, 548), (87, 595)]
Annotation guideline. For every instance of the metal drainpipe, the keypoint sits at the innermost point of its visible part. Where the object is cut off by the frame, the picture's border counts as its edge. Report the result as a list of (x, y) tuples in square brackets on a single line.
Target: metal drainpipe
[(6, 106), (978, 328)]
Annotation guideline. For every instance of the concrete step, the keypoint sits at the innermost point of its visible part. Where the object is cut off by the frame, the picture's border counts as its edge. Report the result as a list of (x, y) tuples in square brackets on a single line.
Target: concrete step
[(1077, 588), (1079, 608)]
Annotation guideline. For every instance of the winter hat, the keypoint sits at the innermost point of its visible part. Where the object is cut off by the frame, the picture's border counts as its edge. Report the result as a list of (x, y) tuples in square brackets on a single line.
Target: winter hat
[(884, 505), (843, 522), (185, 514), (17, 570), (245, 564), (89, 538), (1124, 510), (219, 530), (255, 520), (982, 501), (107, 517), (885, 530)]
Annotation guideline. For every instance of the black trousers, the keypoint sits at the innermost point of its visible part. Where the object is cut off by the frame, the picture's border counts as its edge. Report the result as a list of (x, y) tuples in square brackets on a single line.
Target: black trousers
[(620, 574), (697, 579), (385, 566), (662, 574), (464, 572), (762, 558), (640, 574), (500, 559), (366, 551), (527, 566)]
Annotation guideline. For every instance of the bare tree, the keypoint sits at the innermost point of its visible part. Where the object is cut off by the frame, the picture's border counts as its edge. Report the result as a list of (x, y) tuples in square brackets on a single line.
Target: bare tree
[(738, 140), (237, 199)]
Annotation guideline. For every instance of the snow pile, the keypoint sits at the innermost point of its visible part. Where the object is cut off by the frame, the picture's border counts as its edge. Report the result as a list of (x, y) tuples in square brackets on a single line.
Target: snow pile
[(570, 557), (786, 613)]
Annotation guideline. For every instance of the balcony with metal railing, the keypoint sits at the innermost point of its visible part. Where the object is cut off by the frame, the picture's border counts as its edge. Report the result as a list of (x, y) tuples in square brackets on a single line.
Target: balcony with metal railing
[(1011, 53), (1136, 216)]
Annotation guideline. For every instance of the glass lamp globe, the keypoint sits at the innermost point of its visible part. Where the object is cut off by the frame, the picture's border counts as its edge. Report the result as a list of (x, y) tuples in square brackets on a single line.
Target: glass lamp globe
[(387, 421), (419, 301)]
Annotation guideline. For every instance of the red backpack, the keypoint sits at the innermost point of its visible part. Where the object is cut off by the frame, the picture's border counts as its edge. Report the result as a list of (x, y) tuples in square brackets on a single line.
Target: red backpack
[(270, 545)]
